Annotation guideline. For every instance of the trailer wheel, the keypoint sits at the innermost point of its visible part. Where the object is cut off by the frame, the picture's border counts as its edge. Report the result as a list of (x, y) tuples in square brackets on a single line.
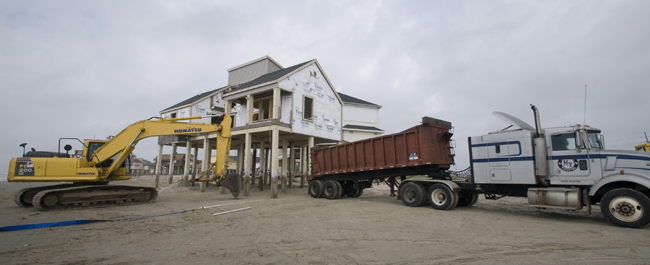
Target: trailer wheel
[(412, 194), (351, 192), (340, 189), (331, 190), (467, 199), (441, 197), (626, 207), (316, 188)]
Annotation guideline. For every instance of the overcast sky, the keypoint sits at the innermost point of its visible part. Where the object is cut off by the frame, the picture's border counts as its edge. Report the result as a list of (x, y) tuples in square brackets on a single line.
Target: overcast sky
[(87, 69)]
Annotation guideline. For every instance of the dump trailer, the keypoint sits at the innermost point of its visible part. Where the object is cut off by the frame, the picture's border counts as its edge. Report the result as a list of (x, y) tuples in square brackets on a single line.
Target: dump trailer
[(106, 161), (564, 167)]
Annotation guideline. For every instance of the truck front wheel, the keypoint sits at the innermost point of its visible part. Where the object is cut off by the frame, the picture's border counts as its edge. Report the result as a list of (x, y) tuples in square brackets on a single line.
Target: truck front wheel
[(626, 207)]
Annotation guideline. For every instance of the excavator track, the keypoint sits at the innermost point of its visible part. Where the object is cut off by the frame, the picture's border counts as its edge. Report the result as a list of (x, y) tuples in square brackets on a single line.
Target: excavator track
[(92, 196), (25, 196)]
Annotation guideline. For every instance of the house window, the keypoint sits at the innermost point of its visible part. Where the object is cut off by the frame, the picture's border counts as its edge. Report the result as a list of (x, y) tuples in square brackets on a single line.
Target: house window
[(263, 109), (307, 108), (173, 115)]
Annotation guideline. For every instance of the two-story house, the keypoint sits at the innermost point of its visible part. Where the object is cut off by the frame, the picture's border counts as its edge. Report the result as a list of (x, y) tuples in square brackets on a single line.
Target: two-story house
[(279, 111)]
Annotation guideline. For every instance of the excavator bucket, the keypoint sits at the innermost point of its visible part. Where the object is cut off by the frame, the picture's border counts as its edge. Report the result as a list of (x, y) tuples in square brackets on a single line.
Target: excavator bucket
[(231, 182)]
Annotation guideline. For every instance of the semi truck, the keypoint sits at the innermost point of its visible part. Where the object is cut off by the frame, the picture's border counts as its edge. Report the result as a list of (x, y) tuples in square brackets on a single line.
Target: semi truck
[(562, 167)]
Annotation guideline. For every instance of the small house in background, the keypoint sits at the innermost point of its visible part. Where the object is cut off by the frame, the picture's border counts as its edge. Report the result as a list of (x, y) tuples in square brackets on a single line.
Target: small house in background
[(360, 119)]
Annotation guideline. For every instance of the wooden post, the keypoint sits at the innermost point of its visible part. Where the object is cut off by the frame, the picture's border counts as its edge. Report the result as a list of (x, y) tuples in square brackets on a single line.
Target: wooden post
[(186, 170), (262, 165), (267, 170), (172, 165), (254, 163), (284, 165), (206, 160), (311, 145), (194, 165), (303, 165), (274, 161), (292, 164), (247, 164), (158, 165)]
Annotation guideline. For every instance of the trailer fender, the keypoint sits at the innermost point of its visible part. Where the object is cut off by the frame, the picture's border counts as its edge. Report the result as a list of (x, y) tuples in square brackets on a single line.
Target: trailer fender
[(452, 185), (632, 177)]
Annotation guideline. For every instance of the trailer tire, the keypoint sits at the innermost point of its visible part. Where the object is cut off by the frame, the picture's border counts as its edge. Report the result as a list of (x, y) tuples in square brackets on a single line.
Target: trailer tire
[(467, 199), (351, 192), (316, 188), (340, 188), (626, 207), (412, 194), (331, 190), (441, 197)]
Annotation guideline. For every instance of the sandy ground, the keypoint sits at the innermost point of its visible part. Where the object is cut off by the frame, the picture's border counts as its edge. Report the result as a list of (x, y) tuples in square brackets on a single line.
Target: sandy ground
[(297, 229)]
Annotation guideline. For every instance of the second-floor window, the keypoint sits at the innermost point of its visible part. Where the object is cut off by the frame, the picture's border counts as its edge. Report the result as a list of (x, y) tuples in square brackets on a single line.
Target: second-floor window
[(307, 108)]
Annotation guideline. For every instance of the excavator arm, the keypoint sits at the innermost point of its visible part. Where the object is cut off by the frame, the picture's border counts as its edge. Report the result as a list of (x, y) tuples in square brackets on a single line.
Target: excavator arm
[(124, 142)]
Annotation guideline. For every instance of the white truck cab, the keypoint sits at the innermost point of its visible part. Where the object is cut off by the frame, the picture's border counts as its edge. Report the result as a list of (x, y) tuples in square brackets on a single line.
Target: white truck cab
[(562, 167)]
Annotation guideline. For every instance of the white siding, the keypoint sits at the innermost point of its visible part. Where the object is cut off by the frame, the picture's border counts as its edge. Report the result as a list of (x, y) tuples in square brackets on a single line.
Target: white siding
[(326, 121), (357, 135), (360, 115)]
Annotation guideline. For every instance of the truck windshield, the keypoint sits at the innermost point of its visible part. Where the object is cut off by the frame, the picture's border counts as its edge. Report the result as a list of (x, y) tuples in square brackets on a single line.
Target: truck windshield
[(593, 140)]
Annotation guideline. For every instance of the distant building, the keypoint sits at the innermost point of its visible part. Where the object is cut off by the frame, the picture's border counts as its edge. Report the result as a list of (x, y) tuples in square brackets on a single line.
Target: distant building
[(360, 119), (141, 166)]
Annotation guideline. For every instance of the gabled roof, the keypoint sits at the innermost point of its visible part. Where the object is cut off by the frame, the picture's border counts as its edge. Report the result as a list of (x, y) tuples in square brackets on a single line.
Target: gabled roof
[(359, 127), (349, 99), (273, 76), (193, 99)]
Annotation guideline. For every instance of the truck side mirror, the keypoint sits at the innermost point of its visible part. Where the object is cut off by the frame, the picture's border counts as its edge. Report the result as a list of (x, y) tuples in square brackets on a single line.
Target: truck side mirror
[(602, 142), (578, 142)]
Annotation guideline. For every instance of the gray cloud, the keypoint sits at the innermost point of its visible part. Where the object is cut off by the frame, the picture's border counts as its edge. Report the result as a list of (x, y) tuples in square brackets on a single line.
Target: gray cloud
[(88, 69)]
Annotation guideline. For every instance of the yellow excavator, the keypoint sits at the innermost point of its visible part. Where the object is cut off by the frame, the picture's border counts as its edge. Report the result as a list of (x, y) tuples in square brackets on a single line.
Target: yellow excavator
[(105, 161)]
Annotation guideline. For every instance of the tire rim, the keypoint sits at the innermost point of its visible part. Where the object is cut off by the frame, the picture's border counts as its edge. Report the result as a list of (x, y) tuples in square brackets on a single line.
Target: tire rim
[(626, 209), (409, 195), (314, 189), (439, 197), (328, 191)]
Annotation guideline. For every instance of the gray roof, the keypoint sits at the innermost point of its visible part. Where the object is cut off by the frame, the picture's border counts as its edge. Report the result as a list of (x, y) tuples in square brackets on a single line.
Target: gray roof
[(193, 99), (359, 127), (349, 99), (269, 77)]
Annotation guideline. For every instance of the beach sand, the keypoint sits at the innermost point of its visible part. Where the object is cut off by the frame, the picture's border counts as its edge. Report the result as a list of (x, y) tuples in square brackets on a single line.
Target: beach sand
[(297, 229)]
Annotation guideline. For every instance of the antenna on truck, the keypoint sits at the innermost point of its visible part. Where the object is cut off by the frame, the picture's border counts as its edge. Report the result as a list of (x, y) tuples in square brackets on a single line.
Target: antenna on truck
[(584, 121)]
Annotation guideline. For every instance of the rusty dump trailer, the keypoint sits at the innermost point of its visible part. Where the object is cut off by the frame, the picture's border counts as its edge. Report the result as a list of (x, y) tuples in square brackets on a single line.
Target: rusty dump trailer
[(349, 168)]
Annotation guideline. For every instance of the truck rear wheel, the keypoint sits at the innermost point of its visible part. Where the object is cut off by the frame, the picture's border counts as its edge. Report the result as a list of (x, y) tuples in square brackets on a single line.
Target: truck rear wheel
[(316, 188), (467, 199), (441, 197), (352, 192), (412, 194), (331, 190), (626, 207), (340, 188)]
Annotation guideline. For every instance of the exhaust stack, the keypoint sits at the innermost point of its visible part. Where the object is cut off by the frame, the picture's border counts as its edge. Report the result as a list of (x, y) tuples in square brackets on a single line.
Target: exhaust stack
[(541, 160)]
